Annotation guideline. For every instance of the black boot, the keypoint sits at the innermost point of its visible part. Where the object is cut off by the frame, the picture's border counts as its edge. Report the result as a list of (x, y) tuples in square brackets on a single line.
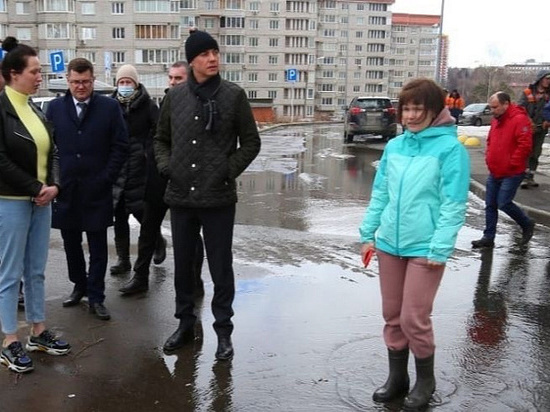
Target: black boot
[(160, 250), (138, 283), (123, 264), (397, 384), (424, 387)]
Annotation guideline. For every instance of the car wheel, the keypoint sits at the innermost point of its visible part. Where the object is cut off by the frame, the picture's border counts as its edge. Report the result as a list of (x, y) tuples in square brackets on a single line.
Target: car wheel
[(477, 122)]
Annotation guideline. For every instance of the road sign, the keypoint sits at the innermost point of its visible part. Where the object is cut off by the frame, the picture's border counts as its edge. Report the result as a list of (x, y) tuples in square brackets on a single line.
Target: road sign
[(57, 62), (291, 75)]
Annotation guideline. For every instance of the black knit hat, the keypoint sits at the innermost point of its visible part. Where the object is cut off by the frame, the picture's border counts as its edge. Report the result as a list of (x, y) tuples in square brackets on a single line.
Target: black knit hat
[(198, 42)]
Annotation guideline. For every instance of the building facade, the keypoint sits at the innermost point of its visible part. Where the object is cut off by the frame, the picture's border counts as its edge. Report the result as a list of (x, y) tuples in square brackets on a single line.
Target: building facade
[(309, 57)]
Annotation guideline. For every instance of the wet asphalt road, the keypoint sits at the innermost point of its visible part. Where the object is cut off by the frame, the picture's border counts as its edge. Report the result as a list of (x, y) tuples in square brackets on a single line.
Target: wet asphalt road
[(308, 323)]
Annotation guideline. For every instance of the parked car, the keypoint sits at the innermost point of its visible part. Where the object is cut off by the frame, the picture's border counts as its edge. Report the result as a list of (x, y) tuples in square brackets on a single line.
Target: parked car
[(370, 116), (476, 114), (42, 102)]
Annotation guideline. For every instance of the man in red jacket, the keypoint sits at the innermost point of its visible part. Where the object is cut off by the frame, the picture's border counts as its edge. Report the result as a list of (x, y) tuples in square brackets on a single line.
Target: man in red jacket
[(508, 147)]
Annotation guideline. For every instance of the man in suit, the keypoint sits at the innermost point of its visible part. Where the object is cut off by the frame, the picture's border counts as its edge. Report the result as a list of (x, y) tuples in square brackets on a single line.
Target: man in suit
[(92, 140)]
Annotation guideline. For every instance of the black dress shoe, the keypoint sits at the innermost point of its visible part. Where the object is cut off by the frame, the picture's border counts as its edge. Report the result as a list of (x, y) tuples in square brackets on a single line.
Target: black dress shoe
[(74, 298), (100, 311), (137, 284), (483, 243), (225, 348), (179, 338)]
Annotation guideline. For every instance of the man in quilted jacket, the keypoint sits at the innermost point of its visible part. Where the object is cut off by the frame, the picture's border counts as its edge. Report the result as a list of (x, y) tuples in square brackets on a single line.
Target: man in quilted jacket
[(206, 137)]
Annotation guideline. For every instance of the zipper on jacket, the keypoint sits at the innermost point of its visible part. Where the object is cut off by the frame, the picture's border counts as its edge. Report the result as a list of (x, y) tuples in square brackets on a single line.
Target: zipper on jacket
[(398, 217)]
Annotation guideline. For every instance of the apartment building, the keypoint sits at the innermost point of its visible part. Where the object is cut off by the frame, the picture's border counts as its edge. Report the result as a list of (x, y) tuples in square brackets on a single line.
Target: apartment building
[(308, 57), (415, 50)]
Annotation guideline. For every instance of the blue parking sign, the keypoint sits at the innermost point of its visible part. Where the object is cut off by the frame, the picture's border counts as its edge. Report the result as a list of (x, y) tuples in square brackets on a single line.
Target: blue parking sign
[(291, 75), (57, 62)]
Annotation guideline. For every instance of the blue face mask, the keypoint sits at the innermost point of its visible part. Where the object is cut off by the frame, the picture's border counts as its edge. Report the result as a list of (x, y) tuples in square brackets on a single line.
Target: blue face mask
[(125, 91)]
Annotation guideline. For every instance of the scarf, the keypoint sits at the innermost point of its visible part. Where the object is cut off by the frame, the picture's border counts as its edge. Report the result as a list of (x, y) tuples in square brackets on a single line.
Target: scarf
[(206, 92)]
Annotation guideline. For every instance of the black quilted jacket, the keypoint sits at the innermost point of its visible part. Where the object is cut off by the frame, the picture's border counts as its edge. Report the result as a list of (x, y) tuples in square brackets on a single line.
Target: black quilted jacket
[(201, 164)]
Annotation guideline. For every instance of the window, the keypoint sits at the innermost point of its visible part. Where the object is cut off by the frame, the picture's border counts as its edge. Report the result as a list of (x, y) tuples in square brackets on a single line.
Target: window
[(253, 77), (3, 30), (188, 4), (326, 101), (272, 94), (88, 33), (21, 8), (358, 62), (253, 41), (329, 33), (209, 23), (377, 20), (358, 34), (155, 6), (90, 55), (253, 24), (210, 4), (274, 24), (358, 48), (252, 59), (254, 5), (356, 89), (155, 56), (157, 31), (377, 34), (273, 42), (117, 7), (232, 75), (232, 22), (57, 31), (232, 58), (272, 59), (232, 4), (23, 33), (87, 7), (51, 5), (252, 94), (274, 7), (272, 77), (119, 57), (118, 33), (232, 40)]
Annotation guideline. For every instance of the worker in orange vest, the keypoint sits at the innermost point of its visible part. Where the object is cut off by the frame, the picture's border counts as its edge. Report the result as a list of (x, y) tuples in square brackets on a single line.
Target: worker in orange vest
[(455, 104)]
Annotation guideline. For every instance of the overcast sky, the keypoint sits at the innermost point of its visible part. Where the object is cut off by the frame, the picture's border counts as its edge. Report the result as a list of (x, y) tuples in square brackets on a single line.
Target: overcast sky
[(490, 32)]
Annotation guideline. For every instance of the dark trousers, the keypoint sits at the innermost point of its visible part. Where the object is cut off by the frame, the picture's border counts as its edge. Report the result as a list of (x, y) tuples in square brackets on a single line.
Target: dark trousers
[(533, 160), (500, 195), (122, 227), (92, 281), (149, 232), (217, 228)]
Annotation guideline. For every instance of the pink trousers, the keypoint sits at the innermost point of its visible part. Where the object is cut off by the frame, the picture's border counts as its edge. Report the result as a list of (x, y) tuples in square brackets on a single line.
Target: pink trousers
[(408, 287)]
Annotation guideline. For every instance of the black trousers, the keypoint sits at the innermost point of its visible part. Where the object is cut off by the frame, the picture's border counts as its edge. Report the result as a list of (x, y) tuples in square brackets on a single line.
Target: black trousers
[(92, 281), (149, 232), (217, 229)]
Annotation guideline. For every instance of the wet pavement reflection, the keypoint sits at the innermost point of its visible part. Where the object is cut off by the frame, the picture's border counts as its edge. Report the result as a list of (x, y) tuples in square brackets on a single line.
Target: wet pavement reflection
[(308, 327)]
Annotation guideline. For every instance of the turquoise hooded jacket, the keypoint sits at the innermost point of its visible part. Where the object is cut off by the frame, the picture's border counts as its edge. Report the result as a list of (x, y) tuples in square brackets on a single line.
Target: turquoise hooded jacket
[(419, 196)]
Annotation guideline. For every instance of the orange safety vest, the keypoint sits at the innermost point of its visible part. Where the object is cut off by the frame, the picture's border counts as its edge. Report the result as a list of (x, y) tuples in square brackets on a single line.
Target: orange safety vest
[(453, 103)]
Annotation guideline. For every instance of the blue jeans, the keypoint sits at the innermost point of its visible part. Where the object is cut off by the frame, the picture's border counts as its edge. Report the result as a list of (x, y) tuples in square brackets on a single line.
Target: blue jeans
[(24, 245), (499, 196)]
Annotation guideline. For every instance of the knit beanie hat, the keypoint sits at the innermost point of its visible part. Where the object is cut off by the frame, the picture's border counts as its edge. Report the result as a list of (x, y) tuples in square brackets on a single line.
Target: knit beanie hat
[(128, 71), (198, 42)]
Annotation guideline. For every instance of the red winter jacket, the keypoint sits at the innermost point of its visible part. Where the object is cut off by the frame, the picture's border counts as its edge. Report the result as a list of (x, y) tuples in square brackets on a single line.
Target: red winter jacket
[(509, 142)]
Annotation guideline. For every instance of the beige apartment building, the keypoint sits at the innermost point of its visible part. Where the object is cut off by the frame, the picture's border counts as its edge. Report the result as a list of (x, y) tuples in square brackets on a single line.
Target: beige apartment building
[(305, 58)]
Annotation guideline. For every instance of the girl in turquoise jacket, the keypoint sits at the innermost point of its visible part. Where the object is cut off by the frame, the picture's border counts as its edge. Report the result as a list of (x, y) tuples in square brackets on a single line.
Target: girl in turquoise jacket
[(417, 207)]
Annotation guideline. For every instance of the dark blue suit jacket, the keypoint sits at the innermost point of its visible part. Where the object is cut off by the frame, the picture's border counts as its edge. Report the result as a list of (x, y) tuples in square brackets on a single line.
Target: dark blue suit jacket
[(91, 154)]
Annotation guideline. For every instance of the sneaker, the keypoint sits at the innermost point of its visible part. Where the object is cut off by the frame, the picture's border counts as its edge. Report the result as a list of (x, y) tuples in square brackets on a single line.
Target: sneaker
[(483, 242), (47, 342), (528, 183), (528, 232), (15, 358)]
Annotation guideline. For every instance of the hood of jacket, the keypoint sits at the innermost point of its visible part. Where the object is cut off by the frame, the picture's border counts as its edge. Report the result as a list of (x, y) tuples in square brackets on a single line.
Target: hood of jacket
[(540, 75)]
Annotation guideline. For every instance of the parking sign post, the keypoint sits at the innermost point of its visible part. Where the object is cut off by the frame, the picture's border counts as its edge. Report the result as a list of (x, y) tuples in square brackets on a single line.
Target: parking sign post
[(292, 77), (57, 62)]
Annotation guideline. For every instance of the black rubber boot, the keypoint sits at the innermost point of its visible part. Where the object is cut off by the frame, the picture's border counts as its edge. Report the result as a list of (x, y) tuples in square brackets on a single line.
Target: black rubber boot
[(123, 264), (424, 387), (138, 283), (397, 384)]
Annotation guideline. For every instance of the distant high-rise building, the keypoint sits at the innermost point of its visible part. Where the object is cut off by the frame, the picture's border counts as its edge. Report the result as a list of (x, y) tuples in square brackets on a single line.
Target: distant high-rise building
[(334, 50)]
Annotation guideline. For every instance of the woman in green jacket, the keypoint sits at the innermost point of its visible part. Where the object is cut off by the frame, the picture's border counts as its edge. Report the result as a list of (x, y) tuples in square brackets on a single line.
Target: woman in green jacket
[(417, 207)]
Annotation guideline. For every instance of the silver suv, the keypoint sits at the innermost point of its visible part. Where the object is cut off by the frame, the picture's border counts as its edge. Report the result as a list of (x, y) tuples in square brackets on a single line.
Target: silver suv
[(370, 116)]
